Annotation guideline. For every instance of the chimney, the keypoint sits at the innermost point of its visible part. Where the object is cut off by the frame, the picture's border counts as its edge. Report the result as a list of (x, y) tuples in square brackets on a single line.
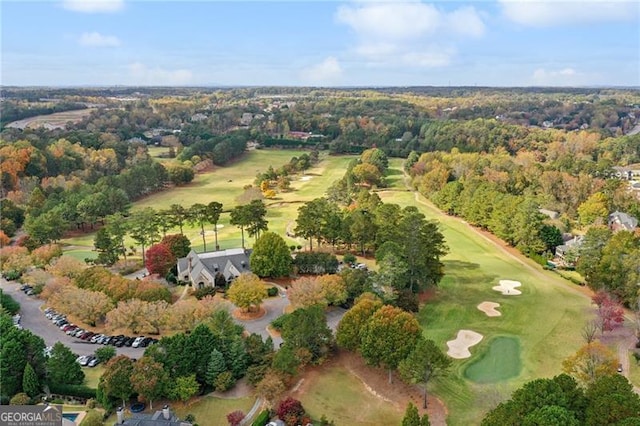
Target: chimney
[(165, 412), (120, 414)]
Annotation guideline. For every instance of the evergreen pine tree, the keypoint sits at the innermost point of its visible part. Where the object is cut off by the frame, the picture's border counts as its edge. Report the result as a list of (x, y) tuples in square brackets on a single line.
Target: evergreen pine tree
[(411, 416), (215, 367), (238, 358), (30, 383)]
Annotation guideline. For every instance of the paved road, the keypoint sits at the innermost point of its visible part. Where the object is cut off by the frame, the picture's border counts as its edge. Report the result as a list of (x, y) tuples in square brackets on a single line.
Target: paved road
[(33, 319)]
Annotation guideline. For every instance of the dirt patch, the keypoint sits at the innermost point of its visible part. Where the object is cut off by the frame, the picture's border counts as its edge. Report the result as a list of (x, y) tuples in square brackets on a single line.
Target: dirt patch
[(459, 347), (489, 308), (248, 316), (375, 380)]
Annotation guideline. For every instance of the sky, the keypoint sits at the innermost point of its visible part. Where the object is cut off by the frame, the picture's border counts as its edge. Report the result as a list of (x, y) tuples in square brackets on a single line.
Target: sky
[(320, 43)]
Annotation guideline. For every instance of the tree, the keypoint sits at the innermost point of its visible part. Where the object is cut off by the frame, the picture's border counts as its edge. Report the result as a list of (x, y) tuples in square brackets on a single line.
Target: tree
[(199, 215), (256, 210), (389, 336), (178, 244), (334, 289), (290, 410), (424, 362), (247, 291), (307, 328), (311, 220), (611, 400), (30, 383), (214, 210), (271, 387), (241, 217), (351, 326), (215, 367), (411, 416), (270, 256), (591, 249), (591, 362), (551, 236), (178, 215), (184, 387), (116, 378), (107, 247), (143, 228), (235, 417), (149, 379), (305, 292), (47, 227), (594, 209), (105, 353), (610, 313), (159, 259), (62, 367)]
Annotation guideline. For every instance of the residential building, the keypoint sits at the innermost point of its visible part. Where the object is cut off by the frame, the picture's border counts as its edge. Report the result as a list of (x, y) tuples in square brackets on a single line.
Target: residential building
[(207, 269), (164, 417), (619, 221)]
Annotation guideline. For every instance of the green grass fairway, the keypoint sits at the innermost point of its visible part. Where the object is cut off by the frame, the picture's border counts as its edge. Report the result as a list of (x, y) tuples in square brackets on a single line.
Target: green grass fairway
[(343, 398), (500, 362), (547, 317)]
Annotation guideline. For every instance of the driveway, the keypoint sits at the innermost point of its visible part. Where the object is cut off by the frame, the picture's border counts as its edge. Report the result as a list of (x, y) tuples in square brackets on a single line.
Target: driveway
[(275, 307), (33, 319)]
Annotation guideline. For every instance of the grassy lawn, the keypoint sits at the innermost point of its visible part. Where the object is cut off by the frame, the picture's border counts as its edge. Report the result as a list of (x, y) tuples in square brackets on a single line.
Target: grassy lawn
[(213, 411), (634, 370), (343, 398), (92, 375)]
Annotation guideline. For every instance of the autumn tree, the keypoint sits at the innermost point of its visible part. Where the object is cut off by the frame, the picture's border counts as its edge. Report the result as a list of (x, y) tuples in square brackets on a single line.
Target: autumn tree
[(352, 325), (138, 316), (389, 337), (116, 378), (159, 259), (149, 379), (305, 292), (271, 387), (178, 244), (90, 306), (424, 362), (235, 418), (247, 291), (591, 362), (593, 210), (270, 256), (610, 313), (334, 288)]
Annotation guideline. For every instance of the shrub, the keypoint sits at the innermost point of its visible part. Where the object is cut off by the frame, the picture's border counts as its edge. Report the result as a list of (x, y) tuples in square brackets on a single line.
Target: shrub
[(8, 303), (349, 258), (278, 323), (272, 291), (20, 399), (80, 391), (316, 263), (235, 417), (262, 419), (105, 353), (224, 382), (290, 410), (203, 292)]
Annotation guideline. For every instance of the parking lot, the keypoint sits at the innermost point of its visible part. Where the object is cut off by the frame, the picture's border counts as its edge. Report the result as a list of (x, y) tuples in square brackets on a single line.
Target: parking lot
[(33, 318)]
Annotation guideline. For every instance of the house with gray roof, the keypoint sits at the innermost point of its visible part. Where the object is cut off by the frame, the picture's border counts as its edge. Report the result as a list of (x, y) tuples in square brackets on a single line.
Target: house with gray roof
[(165, 417), (207, 269), (619, 221)]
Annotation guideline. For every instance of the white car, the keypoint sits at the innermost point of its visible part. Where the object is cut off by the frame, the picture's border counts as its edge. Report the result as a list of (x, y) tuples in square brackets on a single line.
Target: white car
[(137, 342)]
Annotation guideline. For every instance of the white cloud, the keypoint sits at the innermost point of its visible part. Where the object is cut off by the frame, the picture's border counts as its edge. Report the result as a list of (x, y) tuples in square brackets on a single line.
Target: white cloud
[(95, 39), (93, 6), (560, 77), (406, 33), (327, 72), (546, 13), (141, 74)]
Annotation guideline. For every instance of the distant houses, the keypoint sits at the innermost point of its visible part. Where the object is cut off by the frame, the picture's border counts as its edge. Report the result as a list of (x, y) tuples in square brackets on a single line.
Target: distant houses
[(212, 269)]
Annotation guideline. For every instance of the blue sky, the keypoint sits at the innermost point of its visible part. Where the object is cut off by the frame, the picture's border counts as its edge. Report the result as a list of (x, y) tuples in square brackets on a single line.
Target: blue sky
[(321, 43)]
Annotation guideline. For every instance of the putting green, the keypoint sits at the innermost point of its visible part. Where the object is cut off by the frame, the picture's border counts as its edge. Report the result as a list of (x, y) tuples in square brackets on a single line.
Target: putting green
[(500, 362)]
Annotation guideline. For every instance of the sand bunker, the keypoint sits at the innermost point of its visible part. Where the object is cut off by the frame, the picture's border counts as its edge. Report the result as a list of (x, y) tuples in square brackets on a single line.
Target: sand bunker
[(507, 287), (459, 348), (489, 308), (305, 178)]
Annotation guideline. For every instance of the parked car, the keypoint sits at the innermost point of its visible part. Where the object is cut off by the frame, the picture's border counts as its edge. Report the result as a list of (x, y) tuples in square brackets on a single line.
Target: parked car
[(96, 337), (619, 368), (93, 362), (129, 341), (137, 341), (82, 359), (86, 360), (78, 332), (73, 329), (145, 342), (106, 340)]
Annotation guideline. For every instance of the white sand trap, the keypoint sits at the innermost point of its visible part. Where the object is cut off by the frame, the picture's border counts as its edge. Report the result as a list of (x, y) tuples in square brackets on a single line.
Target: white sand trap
[(489, 308), (507, 287), (459, 348), (305, 178)]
